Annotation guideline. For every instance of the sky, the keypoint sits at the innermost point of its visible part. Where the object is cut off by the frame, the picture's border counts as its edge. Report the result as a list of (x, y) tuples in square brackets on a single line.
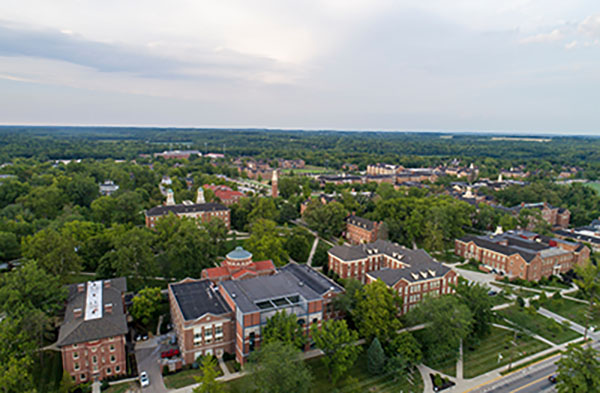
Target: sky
[(525, 66)]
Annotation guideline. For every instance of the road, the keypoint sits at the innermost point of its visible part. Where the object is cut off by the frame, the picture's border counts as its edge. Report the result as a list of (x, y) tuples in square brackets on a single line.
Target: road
[(535, 381), (147, 355)]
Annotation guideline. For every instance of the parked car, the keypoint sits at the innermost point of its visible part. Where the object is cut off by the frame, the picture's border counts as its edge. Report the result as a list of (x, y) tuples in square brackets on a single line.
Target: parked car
[(552, 378), (170, 353), (144, 380)]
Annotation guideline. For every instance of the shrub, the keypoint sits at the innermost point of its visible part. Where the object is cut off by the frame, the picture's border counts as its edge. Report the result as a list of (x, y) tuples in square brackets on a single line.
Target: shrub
[(375, 357), (237, 367), (557, 295), (437, 380), (520, 301), (228, 356), (165, 370), (535, 304)]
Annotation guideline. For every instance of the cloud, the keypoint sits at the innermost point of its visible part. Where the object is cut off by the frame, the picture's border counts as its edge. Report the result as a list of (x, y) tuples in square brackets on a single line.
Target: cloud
[(553, 36), (590, 26), (571, 45)]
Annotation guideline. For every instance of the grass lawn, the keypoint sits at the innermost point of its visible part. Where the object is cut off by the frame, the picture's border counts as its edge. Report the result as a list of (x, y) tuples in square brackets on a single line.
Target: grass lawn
[(366, 382), (572, 310), (524, 293), (47, 371), (500, 298), (306, 169), (538, 324), (447, 256), (445, 364), (184, 378), (482, 357), (76, 278)]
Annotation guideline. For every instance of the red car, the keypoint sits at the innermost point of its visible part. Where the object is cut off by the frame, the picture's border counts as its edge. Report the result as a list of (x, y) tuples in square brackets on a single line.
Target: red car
[(170, 353)]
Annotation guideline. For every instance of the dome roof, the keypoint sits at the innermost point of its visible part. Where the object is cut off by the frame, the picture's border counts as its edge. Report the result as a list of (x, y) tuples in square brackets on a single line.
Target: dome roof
[(239, 254)]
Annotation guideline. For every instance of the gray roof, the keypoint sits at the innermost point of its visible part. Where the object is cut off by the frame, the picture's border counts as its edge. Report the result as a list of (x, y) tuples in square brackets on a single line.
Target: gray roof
[(179, 209), (489, 244), (197, 298), (246, 293), (360, 222), (320, 283), (239, 253), (413, 273), (78, 330), (362, 251)]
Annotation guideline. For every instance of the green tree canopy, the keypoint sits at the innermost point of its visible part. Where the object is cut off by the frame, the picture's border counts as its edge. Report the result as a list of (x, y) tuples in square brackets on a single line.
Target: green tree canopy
[(286, 328), (578, 370), (265, 243), (475, 297), (327, 220), (54, 252), (208, 381), (375, 357), (146, 304), (338, 344), (375, 313)]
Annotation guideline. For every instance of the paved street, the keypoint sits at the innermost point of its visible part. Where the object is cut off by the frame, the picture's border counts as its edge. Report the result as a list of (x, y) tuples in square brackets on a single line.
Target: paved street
[(147, 354)]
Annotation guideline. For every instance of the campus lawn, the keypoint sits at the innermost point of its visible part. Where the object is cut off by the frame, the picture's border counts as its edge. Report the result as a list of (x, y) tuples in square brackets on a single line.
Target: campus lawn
[(499, 298), (593, 185), (572, 310), (122, 387), (481, 357), (184, 378), (529, 319), (445, 364), (365, 381), (447, 256)]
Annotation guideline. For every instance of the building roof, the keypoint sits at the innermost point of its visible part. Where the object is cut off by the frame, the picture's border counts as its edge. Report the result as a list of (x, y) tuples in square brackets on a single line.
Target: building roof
[(360, 222), (181, 208), (362, 251), (250, 293), (197, 298), (79, 329), (239, 254), (488, 244), (413, 273), (320, 283)]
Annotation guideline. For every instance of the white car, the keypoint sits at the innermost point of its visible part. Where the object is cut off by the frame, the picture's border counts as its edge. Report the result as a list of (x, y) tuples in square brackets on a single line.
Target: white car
[(144, 380)]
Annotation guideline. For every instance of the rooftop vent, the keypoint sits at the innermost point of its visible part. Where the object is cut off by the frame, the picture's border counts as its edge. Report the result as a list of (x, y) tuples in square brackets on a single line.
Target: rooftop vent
[(300, 283), (108, 308), (80, 287), (106, 283)]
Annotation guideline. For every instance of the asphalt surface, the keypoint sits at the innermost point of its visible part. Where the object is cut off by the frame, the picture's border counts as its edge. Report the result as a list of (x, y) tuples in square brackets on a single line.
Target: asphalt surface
[(148, 360), (535, 381)]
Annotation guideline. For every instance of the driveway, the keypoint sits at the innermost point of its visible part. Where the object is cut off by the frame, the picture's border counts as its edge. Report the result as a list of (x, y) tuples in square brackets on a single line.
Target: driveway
[(147, 354), (482, 278)]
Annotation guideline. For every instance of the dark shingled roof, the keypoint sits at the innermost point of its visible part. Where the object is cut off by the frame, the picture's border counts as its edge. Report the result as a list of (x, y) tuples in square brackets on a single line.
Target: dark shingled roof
[(483, 242), (178, 209), (78, 330), (197, 298), (360, 222)]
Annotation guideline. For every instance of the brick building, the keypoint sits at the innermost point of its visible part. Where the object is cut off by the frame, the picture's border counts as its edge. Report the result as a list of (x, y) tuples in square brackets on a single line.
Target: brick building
[(92, 336), (360, 230), (229, 316), (521, 254), (383, 169), (226, 195), (411, 273), (556, 217), (238, 265), (201, 210)]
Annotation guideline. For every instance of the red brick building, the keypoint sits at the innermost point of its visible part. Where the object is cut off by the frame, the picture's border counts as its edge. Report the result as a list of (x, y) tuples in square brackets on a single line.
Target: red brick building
[(238, 265), (226, 195), (556, 217), (411, 273), (92, 336), (360, 230), (229, 316), (520, 254)]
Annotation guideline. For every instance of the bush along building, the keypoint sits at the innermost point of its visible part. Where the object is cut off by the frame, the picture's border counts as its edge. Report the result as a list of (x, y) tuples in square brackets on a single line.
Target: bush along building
[(201, 210), (411, 273), (522, 254), (228, 316), (92, 336)]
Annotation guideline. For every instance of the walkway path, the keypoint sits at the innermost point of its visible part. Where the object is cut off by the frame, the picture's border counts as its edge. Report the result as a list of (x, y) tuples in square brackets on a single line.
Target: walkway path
[(312, 251)]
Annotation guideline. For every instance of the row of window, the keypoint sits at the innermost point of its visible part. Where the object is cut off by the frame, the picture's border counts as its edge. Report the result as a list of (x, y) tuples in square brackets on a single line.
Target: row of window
[(83, 377), (93, 349), (95, 361)]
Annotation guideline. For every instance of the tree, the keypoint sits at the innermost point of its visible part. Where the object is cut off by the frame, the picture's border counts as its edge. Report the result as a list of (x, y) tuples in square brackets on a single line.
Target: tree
[(16, 361), (298, 244), (338, 343), (346, 302), (375, 311), (103, 209), (265, 243), (578, 370), (66, 383), (208, 380), (448, 321), (589, 285), (81, 190), (278, 368), (9, 246), (264, 209), (146, 304), (286, 328), (476, 298), (405, 347), (375, 357), (54, 252), (327, 220)]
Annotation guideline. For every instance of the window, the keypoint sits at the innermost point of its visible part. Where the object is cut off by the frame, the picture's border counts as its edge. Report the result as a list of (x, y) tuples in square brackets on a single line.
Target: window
[(112, 348), (82, 377), (117, 369), (94, 359), (108, 371), (207, 335), (197, 337), (75, 355), (76, 367), (112, 358)]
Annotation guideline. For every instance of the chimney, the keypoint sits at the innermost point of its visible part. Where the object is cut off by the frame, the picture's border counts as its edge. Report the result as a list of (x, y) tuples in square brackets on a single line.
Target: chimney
[(170, 198), (80, 287), (108, 308), (200, 196), (106, 283), (77, 313)]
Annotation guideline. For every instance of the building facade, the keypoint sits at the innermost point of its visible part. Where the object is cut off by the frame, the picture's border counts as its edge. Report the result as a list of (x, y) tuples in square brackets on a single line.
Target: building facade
[(556, 217), (226, 195), (92, 336), (238, 265), (229, 316), (360, 230), (522, 254)]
